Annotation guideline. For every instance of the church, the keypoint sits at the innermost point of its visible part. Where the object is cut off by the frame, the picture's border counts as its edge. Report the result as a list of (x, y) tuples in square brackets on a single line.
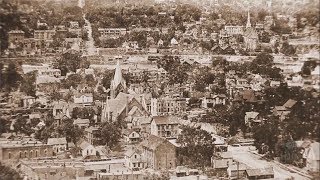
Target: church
[(123, 102), (250, 36)]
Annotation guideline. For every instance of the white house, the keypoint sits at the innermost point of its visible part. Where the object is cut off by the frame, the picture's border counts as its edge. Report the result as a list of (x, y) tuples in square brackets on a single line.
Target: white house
[(312, 157), (59, 144), (134, 160), (86, 98), (209, 102), (131, 136), (87, 149)]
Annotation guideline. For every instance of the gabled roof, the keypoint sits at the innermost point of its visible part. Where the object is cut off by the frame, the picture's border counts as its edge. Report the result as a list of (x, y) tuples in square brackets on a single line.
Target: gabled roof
[(252, 114), (85, 144), (153, 142), (56, 141)]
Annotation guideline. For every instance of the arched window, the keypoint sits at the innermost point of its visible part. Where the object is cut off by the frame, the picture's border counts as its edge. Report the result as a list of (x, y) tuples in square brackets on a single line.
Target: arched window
[(45, 152), (31, 154), (20, 154), (36, 153), (9, 155), (25, 154)]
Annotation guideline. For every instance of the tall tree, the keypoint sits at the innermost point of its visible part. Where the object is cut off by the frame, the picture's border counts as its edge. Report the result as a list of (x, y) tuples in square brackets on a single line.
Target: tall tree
[(28, 84), (12, 77)]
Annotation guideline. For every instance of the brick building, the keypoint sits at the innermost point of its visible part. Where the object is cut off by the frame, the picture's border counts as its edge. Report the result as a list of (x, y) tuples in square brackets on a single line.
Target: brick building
[(159, 153)]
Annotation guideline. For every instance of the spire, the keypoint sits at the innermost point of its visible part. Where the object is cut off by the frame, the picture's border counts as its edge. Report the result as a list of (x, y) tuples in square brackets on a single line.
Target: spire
[(248, 21), (117, 79)]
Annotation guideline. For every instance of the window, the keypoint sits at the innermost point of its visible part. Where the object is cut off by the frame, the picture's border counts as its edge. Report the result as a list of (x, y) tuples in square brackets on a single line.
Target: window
[(9, 155), (20, 154), (36, 153), (25, 154)]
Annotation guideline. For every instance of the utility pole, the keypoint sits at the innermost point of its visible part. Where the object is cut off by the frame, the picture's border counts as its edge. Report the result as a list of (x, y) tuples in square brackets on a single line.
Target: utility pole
[(238, 175)]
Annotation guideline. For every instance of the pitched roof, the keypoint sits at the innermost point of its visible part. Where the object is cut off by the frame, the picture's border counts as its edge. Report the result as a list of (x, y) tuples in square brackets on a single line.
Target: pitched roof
[(55, 141), (252, 114), (153, 142), (290, 103), (85, 144), (165, 120), (260, 172)]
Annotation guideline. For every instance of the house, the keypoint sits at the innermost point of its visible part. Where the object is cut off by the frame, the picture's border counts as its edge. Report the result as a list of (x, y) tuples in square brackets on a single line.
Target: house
[(160, 154), (265, 173), (252, 118), (92, 135), (211, 101), (142, 123), (81, 123), (58, 144), (27, 101), (131, 136), (165, 126), (61, 108), (221, 161), (237, 170), (87, 149), (174, 42), (83, 98), (15, 37), (311, 156), (135, 160), (284, 110)]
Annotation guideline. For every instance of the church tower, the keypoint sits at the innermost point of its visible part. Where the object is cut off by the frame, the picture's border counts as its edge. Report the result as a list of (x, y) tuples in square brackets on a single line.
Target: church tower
[(248, 21), (118, 84), (250, 36)]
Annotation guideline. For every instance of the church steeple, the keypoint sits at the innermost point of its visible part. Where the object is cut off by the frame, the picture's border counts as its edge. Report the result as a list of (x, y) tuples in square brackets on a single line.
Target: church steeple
[(118, 84), (117, 75), (248, 21)]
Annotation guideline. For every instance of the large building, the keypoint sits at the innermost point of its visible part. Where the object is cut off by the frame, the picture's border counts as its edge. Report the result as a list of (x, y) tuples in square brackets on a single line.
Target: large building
[(168, 106), (159, 153), (13, 150), (111, 33), (165, 126), (15, 37)]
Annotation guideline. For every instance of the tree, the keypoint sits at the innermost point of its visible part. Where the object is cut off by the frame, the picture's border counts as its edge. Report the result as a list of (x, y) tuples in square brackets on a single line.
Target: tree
[(12, 77), (5, 125), (110, 134), (69, 61), (107, 78), (71, 132), (308, 67), (196, 147), (29, 84), (267, 134), (73, 80), (287, 49), (7, 173)]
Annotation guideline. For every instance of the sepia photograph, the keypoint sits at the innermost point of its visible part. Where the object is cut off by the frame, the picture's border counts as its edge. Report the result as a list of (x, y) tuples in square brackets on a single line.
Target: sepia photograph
[(159, 89)]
